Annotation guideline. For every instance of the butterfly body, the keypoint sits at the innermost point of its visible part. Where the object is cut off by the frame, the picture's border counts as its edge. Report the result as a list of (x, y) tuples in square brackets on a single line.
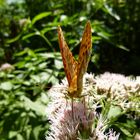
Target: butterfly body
[(74, 90), (75, 70)]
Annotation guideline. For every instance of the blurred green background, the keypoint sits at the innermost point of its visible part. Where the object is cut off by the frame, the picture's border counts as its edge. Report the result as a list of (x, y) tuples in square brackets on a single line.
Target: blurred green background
[(29, 42)]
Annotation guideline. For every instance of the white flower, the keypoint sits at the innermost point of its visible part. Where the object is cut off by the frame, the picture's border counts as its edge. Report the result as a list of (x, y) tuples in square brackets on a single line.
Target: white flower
[(78, 119), (6, 67)]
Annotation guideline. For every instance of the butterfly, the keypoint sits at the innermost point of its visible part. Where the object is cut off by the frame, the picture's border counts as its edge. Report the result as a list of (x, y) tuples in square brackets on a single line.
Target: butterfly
[(75, 69)]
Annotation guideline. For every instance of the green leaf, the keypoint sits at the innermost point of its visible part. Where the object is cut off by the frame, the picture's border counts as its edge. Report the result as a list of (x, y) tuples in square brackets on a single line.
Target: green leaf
[(6, 86), (128, 128), (43, 31), (40, 16), (114, 112), (20, 64), (28, 133), (28, 36), (22, 52), (36, 132), (51, 55), (104, 35), (42, 65), (125, 130), (36, 78), (13, 134), (123, 47), (58, 64), (110, 11), (14, 39), (35, 106), (20, 137)]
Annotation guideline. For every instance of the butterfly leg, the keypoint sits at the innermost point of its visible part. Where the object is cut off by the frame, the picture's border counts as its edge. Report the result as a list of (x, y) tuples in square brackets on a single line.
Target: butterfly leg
[(72, 109)]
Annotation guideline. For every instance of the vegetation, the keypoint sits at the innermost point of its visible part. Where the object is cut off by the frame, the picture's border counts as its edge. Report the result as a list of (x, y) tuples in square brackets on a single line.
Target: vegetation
[(29, 43)]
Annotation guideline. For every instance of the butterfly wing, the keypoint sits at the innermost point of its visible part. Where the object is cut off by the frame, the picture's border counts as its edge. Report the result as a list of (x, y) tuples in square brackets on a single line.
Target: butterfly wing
[(84, 54), (70, 64)]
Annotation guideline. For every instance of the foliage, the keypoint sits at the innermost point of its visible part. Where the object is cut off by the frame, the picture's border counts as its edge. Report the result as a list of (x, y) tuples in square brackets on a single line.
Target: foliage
[(10, 15), (115, 26), (23, 97), (28, 41)]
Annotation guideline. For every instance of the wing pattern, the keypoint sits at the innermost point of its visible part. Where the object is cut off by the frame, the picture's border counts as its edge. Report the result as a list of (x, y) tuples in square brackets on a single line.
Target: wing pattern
[(69, 62), (84, 54), (75, 70)]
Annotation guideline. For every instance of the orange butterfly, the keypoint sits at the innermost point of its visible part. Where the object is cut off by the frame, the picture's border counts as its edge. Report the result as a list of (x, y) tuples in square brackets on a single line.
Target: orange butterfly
[(75, 70)]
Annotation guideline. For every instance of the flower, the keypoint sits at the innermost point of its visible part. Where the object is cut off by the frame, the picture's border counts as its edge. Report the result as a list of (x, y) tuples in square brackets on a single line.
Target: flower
[(68, 122), (6, 67), (78, 118)]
